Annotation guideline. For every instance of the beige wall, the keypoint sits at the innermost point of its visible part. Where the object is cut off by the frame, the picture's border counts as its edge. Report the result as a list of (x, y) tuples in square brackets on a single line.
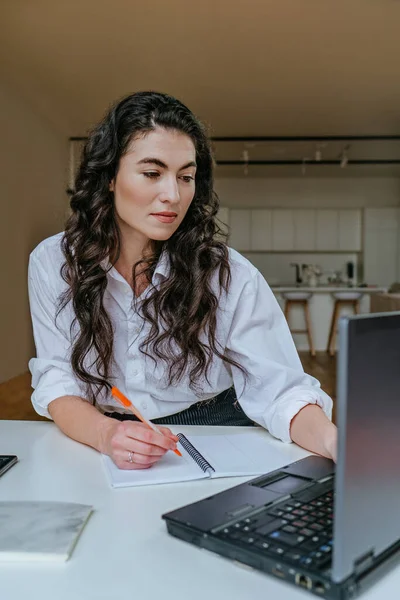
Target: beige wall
[(309, 192), (33, 162)]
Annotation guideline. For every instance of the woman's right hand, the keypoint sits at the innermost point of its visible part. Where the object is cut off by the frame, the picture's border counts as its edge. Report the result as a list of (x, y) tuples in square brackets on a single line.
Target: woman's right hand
[(133, 445)]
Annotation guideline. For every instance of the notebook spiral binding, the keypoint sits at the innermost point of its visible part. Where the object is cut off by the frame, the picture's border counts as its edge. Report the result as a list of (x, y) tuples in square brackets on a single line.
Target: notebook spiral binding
[(195, 454)]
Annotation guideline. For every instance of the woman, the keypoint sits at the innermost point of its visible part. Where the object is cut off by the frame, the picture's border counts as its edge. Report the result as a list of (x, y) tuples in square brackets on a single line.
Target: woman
[(140, 294)]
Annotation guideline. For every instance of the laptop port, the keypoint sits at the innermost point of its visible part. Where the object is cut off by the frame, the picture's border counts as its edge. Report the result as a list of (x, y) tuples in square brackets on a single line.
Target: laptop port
[(278, 572), (319, 587), (303, 581)]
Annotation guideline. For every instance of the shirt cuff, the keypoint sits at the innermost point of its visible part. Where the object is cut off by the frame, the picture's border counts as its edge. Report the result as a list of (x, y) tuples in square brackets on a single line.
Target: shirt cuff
[(287, 407), (51, 379)]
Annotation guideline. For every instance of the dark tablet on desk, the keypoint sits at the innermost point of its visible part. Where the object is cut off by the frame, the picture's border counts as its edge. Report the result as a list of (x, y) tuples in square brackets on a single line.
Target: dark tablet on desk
[(6, 462)]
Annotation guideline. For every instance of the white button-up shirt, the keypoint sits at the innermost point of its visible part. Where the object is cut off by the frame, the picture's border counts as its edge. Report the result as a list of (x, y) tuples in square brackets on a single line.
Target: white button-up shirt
[(250, 327)]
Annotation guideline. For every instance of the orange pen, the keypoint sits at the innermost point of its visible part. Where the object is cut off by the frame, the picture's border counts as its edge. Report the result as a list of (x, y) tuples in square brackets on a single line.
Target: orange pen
[(128, 404)]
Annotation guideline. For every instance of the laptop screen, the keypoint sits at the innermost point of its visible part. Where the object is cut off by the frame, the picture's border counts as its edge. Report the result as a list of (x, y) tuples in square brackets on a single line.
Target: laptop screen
[(368, 470)]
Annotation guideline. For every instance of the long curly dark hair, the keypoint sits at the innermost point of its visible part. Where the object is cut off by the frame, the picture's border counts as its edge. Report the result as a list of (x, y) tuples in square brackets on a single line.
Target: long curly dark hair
[(184, 303)]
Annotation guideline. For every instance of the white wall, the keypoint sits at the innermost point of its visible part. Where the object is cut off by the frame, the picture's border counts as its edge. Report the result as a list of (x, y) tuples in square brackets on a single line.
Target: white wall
[(33, 161), (308, 192)]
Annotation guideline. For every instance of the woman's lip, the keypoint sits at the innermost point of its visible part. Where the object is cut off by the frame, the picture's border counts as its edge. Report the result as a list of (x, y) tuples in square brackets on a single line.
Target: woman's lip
[(164, 218), (165, 214)]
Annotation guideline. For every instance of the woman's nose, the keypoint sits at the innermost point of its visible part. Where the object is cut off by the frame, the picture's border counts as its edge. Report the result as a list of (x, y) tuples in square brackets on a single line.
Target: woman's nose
[(170, 190)]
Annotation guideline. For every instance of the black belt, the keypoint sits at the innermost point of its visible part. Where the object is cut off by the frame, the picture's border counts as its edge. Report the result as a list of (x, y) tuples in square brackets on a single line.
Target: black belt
[(224, 409)]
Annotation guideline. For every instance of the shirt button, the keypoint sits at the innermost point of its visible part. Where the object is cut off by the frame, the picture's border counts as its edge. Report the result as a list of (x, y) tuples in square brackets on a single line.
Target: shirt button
[(134, 372), (144, 404)]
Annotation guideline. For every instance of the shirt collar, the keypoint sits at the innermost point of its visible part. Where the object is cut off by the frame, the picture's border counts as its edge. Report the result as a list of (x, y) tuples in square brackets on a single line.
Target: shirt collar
[(162, 269), (163, 266)]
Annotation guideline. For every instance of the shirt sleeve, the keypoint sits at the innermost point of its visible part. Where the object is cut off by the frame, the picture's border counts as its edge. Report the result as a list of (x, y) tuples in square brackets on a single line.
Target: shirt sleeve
[(52, 375), (260, 340)]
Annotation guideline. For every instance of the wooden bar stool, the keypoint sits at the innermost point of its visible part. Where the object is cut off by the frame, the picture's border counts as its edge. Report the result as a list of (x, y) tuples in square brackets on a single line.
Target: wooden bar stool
[(342, 299), (293, 299)]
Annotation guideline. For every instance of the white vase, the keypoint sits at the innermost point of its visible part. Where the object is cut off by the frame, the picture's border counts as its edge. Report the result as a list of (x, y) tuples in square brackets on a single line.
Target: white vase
[(312, 280)]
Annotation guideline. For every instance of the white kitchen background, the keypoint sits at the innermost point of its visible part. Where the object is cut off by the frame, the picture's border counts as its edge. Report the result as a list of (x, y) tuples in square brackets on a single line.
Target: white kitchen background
[(328, 222), (325, 222)]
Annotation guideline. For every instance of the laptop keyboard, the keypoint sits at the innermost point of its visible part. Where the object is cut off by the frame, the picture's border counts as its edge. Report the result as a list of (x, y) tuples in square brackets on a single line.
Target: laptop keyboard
[(299, 532)]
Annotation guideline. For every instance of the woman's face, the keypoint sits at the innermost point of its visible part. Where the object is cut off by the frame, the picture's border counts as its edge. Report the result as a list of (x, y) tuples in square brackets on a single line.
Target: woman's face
[(155, 185)]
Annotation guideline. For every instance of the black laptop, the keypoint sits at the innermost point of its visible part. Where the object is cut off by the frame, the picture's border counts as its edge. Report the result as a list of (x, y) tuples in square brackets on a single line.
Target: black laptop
[(333, 533)]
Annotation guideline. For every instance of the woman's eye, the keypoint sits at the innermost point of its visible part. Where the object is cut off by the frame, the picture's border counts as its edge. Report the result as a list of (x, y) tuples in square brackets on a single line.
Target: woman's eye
[(187, 178), (151, 174)]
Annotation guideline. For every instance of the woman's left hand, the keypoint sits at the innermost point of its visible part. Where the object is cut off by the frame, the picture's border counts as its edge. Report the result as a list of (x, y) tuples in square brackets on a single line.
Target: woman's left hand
[(311, 429), (331, 443)]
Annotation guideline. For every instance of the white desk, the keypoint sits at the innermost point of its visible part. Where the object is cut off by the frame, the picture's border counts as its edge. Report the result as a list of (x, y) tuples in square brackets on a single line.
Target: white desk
[(125, 551)]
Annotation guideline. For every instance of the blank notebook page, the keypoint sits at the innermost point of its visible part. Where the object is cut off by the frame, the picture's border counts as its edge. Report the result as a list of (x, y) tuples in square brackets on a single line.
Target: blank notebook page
[(247, 453)]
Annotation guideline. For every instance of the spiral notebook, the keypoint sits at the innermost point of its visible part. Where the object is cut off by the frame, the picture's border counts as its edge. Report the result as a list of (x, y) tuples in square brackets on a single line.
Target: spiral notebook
[(247, 453)]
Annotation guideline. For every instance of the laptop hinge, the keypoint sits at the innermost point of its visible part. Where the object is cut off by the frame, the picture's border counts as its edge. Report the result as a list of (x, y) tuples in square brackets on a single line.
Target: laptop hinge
[(364, 562)]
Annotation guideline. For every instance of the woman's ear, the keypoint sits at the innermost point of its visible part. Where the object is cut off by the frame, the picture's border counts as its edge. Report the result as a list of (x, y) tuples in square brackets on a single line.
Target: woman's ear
[(111, 186)]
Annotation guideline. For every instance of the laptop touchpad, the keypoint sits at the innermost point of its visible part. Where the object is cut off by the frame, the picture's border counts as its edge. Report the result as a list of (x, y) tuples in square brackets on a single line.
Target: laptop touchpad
[(284, 485)]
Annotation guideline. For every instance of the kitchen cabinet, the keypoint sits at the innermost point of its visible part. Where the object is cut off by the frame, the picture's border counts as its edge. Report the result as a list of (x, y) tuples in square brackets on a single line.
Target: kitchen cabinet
[(338, 230), (295, 230), (349, 230), (261, 230), (304, 229), (382, 245), (282, 229), (327, 228), (239, 223)]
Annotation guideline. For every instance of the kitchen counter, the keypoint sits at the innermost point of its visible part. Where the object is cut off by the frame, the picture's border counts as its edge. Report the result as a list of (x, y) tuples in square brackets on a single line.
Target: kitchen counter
[(321, 305), (385, 303)]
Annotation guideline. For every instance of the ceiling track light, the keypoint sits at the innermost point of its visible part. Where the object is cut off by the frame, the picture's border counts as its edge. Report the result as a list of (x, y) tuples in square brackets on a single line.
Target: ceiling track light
[(318, 151), (344, 159), (246, 158)]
